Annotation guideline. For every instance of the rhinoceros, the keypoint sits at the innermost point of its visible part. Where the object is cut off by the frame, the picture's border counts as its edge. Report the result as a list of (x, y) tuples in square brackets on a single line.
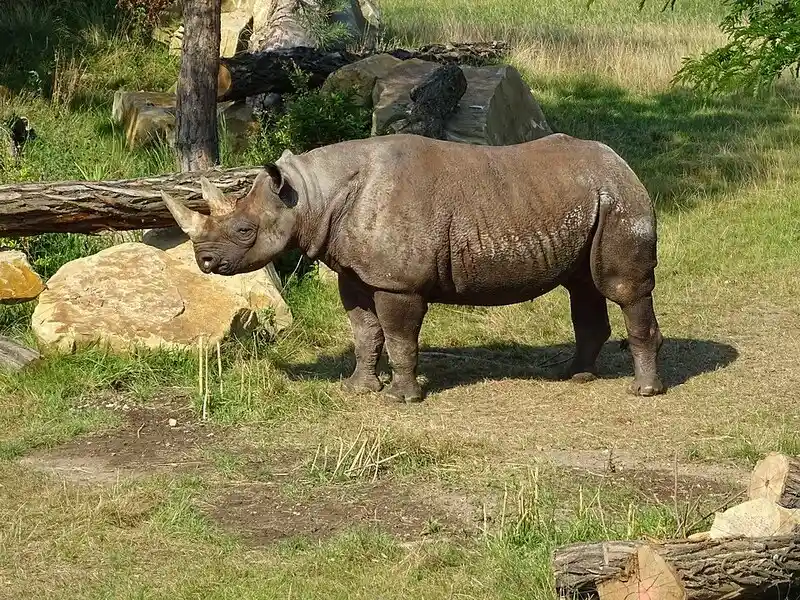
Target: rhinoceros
[(406, 221)]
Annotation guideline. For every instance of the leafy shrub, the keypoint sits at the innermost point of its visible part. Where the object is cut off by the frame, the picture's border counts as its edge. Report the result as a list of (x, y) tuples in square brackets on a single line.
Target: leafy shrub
[(145, 14), (310, 119)]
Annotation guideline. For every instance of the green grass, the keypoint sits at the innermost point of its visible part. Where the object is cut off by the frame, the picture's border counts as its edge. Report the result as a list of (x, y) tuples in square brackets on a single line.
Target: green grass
[(723, 174)]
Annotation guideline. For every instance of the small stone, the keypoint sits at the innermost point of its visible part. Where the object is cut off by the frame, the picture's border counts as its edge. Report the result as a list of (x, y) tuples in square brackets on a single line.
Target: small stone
[(18, 281), (173, 422)]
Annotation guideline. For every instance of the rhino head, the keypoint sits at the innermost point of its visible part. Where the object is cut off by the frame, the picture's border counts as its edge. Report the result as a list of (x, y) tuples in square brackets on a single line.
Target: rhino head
[(239, 236)]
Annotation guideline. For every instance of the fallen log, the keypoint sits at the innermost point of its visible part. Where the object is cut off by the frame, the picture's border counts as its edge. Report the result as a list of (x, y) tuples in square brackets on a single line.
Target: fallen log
[(777, 479), (580, 567), (733, 569), (432, 101), (754, 519), (91, 207), (14, 356), (271, 72)]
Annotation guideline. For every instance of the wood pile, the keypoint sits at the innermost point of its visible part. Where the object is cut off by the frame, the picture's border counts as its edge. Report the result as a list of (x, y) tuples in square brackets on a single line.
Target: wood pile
[(751, 551)]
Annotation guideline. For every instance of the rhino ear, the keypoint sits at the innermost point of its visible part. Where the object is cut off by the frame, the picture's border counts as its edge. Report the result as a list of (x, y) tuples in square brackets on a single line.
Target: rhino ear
[(189, 221), (217, 203), (275, 176)]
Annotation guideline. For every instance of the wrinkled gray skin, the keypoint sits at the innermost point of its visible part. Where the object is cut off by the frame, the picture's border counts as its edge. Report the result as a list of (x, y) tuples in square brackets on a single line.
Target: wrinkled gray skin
[(406, 221)]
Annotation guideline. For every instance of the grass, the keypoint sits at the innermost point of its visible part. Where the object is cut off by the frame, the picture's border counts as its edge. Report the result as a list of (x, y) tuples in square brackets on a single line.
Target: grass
[(469, 471)]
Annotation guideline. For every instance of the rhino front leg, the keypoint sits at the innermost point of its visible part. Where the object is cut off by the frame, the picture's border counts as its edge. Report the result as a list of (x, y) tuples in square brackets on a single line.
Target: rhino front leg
[(401, 317), (367, 335), (592, 330)]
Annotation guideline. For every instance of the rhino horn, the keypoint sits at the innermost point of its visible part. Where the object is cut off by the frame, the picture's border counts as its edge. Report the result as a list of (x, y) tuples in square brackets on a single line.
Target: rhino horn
[(217, 203), (189, 221)]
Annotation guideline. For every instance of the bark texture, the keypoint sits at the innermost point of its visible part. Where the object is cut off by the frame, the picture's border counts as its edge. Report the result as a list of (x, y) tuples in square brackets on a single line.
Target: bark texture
[(432, 101), (14, 356), (93, 206), (746, 569), (580, 567), (268, 72), (196, 139)]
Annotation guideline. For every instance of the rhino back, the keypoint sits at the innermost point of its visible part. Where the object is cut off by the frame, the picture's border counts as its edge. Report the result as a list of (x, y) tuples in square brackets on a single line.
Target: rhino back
[(464, 223)]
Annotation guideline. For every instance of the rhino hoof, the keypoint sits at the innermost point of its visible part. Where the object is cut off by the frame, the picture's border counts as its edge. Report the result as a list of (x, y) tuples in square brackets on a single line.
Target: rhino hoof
[(583, 377), (362, 384), (404, 393), (646, 389)]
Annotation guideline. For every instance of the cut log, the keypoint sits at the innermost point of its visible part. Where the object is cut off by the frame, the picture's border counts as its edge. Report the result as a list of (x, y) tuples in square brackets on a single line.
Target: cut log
[(733, 569), (753, 519), (14, 356), (270, 72), (265, 72), (432, 101), (776, 478), (580, 567), (90, 207)]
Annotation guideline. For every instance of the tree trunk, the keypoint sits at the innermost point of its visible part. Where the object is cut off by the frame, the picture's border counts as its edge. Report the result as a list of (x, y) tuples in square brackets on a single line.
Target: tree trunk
[(14, 356), (266, 72), (733, 569), (777, 479), (93, 206), (263, 72), (196, 140), (432, 101), (580, 567)]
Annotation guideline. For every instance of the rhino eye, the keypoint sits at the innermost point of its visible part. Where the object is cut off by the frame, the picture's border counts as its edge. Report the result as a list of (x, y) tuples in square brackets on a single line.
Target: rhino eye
[(244, 230)]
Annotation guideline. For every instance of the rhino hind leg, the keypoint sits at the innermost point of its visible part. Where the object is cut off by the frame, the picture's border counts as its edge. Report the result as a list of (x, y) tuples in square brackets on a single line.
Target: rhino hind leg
[(645, 339), (623, 262), (589, 312), (401, 317), (367, 336)]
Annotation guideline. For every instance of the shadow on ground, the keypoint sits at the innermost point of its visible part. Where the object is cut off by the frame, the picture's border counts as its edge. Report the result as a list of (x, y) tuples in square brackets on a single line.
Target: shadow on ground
[(449, 367), (683, 148)]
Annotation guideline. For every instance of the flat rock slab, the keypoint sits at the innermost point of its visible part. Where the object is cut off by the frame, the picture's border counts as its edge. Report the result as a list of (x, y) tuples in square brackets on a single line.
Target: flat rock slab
[(134, 295), (15, 356), (18, 281)]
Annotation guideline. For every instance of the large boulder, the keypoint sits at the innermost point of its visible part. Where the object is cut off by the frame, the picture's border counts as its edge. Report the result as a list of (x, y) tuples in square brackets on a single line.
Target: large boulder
[(358, 79), (261, 287), (497, 109), (18, 281), (136, 295)]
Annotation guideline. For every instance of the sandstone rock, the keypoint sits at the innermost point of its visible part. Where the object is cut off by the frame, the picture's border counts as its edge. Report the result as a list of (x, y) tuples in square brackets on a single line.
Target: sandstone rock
[(497, 109), (326, 273), (18, 281), (150, 116), (135, 295), (150, 124), (359, 78), (238, 121), (126, 102), (260, 288)]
